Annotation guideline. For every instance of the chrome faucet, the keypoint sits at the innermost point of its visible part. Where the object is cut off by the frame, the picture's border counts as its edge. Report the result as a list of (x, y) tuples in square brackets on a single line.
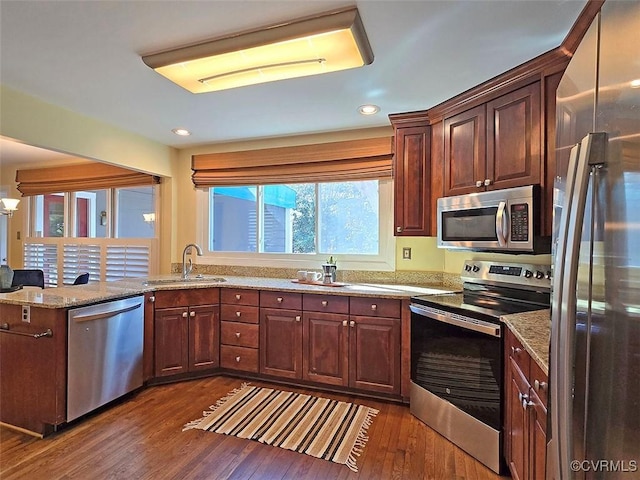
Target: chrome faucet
[(186, 268)]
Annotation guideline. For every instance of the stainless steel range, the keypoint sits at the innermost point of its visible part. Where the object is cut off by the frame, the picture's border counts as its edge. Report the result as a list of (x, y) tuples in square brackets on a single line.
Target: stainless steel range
[(456, 353)]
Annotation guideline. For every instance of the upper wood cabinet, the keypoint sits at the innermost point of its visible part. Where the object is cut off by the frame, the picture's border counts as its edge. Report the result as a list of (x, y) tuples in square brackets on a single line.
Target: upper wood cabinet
[(412, 175), (494, 145)]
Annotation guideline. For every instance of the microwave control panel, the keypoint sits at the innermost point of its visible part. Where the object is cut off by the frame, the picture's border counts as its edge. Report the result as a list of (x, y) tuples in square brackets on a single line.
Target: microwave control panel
[(519, 222)]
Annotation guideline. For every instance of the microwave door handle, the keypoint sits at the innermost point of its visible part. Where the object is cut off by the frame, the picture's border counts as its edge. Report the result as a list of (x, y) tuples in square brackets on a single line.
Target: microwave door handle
[(502, 224)]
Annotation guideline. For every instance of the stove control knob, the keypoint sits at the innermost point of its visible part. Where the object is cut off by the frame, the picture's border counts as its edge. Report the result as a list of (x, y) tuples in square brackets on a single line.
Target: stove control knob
[(467, 268), (528, 274), (539, 274), (548, 275), (476, 269)]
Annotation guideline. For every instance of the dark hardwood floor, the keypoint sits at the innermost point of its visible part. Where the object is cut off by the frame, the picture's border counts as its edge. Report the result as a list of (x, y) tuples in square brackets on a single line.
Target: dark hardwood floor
[(142, 438)]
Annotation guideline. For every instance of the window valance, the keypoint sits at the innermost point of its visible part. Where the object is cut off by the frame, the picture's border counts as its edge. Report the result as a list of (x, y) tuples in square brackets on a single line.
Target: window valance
[(85, 176), (324, 162)]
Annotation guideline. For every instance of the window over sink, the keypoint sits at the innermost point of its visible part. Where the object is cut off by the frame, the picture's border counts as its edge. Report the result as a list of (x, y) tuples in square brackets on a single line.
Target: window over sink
[(299, 224)]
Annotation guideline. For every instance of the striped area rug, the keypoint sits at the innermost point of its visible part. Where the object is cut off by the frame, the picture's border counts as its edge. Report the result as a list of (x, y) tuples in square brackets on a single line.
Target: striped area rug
[(320, 427)]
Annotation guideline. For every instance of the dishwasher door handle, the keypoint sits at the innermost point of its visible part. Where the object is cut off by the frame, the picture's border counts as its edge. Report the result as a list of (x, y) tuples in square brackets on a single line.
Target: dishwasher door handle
[(107, 314)]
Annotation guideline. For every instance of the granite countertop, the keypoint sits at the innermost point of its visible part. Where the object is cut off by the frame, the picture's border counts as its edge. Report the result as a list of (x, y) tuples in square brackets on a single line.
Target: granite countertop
[(533, 329), (77, 295)]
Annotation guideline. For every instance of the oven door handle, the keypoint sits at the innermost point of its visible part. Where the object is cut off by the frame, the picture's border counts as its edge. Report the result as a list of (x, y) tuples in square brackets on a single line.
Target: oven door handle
[(482, 327)]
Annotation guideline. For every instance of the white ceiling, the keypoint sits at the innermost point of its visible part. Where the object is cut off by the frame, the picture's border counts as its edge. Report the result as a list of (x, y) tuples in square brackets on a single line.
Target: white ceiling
[(85, 56)]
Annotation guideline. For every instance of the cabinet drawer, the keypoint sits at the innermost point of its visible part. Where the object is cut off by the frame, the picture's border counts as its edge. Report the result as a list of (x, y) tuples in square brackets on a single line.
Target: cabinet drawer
[(518, 354), (239, 313), (185, 298), (325, 303), (239, 296), (239, 334), (539, 382), (291, 301), (239, 358), (375, 307)]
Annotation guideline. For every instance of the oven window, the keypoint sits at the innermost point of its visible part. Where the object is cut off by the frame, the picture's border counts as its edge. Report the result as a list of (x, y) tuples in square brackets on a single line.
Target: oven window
[(458, 365), (469, 225)]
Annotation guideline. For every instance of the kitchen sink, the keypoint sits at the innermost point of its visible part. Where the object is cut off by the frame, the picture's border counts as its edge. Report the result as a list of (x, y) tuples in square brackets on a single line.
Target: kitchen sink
[(195, 278)]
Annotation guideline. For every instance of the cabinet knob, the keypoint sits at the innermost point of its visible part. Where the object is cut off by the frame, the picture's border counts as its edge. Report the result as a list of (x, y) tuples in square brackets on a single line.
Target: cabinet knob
[(487, 182), (526, 403), (324, 303), (479, 183), (515, 350), (152, 299), (238, 314), (184, 314), (238, 296), (399, 229), (352, 324), (279, 299), (374, 307), (237, 359), (297, 318), (344, 323), (523, 397), (192, 314), (538, 385)]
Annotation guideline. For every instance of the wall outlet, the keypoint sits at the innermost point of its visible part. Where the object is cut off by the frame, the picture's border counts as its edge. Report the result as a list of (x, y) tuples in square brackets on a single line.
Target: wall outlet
[(26, 313), (406, 253)]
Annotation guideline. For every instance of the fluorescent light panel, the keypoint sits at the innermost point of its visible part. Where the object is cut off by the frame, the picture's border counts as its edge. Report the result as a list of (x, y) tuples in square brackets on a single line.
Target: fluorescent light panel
[(321, 44)]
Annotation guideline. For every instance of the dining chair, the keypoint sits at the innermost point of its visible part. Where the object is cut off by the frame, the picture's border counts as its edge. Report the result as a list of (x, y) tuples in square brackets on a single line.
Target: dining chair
[(28, 278), (81, 279)]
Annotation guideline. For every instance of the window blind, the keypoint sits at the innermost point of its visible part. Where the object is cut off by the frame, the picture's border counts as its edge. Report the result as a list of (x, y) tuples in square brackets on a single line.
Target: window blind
[(85, 176), (81, 258), (326, 162)]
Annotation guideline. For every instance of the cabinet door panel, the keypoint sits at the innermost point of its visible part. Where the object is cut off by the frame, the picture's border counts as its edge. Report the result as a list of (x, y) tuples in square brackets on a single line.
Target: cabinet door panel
[(171, 341), (374, 358), (281, 343), (517, 436), (513, 138), (412, 180), (465, 151), (326, 348), (204, 337)]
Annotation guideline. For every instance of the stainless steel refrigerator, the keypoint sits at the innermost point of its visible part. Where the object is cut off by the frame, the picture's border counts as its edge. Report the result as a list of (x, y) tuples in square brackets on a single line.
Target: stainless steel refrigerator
[(595, 346)]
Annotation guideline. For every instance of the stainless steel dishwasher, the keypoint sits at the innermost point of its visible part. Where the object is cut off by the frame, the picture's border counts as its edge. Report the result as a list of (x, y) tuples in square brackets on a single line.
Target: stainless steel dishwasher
[(104, 353)]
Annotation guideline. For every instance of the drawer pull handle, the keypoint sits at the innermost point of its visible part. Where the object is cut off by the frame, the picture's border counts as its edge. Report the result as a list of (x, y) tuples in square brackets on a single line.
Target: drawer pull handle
[(238, 314), (374, 307), (184, 314), (237, 359), (325, 303), (540, 385), (279, 299), (237, 334), (297, 318), (192, 314), (238, 296)]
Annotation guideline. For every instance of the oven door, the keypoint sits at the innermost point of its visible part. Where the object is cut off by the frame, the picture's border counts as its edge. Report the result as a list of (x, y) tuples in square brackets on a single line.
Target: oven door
[(458, 359), (456, 380)]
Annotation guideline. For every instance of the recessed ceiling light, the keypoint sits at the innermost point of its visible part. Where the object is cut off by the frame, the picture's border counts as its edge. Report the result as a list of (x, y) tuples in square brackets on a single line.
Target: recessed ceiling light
[(183, 132), (368, 109), (635, 83)]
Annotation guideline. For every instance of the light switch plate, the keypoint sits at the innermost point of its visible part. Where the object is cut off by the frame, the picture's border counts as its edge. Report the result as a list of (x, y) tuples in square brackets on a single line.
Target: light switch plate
[(406, 253)]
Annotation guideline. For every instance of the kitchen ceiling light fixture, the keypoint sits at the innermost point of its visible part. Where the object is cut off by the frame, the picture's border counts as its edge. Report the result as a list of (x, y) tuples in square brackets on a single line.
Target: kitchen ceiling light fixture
[(635, 83), (9, 205), (313, 45), (183, 132), (368, 109)]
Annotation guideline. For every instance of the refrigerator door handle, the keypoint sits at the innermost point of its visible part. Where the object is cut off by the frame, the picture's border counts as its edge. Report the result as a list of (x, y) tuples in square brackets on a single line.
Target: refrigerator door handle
[(590, 152)]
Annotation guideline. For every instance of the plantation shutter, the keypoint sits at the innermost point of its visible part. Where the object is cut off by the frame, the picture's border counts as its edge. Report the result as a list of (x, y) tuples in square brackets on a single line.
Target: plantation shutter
[(43, 256), (74, 178), (81, 258), (127, 261), (326, 162)]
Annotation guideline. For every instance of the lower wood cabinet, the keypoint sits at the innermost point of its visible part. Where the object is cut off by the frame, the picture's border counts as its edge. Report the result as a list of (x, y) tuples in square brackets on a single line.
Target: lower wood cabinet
[(239, 330), (281, 342), (187, 331), (525, 413)]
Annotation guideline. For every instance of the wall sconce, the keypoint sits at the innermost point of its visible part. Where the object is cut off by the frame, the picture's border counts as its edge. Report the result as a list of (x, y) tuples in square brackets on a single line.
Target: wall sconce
[(9, 205), (103, 218), (319, 44), (149, 217)]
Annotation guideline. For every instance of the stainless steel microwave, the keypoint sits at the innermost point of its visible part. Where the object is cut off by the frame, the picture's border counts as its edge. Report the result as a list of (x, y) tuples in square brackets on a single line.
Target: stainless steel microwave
[(506, 221)]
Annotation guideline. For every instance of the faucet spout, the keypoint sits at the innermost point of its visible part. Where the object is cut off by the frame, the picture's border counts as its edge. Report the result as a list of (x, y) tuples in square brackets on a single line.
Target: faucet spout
[(187, 267)]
